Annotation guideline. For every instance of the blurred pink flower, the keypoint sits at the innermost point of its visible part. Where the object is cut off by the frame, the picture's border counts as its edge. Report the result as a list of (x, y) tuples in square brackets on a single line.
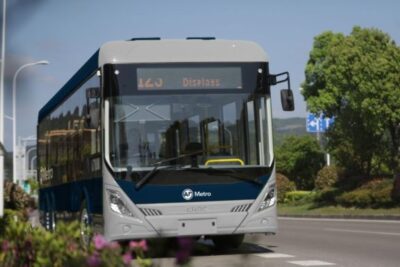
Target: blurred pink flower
[(113, 245), (99, 242), (182, 257), (72, 246), (127, 258), (184, 251), (93, 261), (5, 245), (185, 242), (141, 244)]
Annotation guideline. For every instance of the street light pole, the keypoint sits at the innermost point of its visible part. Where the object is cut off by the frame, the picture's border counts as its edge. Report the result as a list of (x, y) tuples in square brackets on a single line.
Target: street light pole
[(2, 155), (14, 106)]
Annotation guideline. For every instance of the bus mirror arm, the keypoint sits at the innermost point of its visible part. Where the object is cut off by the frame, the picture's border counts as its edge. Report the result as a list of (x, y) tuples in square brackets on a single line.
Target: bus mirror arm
[(287, 98)]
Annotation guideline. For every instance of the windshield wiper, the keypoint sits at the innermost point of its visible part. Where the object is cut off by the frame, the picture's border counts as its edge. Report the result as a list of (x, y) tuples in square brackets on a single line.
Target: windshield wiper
[(156, 165)]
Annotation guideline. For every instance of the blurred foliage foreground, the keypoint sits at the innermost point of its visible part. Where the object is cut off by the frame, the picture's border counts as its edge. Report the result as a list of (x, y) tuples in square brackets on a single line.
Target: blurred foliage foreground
[(26, 246)]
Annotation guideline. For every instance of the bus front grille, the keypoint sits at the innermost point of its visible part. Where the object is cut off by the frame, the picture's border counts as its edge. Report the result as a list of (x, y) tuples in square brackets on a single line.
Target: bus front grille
[(150, 212), (241, 208)]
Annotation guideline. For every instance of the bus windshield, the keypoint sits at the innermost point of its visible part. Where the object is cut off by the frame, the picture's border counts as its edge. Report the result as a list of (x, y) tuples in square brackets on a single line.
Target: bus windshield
[(229, 128)]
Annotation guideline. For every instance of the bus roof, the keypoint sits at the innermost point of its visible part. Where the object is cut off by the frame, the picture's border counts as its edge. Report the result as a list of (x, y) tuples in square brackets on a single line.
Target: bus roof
[(158, 51), (165, 51)]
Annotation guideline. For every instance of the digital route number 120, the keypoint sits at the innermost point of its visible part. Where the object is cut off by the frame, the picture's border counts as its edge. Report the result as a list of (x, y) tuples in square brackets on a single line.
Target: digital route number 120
[(150, 83)]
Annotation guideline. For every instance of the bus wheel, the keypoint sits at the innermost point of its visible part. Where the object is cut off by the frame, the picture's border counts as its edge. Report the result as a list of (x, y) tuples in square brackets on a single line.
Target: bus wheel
[(85, 222), (227, 241)]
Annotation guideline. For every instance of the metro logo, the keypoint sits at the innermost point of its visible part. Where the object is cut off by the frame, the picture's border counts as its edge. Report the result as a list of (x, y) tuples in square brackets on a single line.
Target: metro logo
[(188, 194), (202, 194)]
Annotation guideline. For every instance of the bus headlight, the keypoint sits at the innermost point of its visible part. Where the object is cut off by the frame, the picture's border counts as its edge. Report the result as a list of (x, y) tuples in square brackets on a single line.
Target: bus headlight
[(269, 199), (117, 204)]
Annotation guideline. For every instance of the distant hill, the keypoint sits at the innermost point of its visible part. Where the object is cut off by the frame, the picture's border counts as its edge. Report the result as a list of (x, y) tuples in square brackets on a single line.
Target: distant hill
[(288, 127)]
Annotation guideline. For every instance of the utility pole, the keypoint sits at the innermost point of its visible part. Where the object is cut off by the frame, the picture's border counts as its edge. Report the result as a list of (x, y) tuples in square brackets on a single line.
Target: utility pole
[(3, 60)]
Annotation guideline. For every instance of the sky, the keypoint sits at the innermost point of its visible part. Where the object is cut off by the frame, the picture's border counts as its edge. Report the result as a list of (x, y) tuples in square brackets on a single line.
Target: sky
[(67, 33)]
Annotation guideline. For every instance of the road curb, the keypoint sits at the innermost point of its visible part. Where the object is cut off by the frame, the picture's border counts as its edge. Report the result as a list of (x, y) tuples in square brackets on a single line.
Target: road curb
[(359, 217)]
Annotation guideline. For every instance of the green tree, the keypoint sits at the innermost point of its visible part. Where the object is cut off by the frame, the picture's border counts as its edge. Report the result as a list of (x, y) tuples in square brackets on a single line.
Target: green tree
[(300, 158), (356, 78)]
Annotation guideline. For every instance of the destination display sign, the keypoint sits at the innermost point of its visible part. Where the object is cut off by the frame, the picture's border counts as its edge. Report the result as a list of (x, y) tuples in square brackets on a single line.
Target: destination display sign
[(189, 78)]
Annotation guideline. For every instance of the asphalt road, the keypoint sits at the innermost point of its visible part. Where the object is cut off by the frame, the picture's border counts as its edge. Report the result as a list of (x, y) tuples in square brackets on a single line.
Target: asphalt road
[(305, 242), (309, 242)]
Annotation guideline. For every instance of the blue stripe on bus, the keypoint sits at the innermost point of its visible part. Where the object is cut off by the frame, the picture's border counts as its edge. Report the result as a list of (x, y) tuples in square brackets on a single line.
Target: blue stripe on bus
[(69, 196), (173, 193)]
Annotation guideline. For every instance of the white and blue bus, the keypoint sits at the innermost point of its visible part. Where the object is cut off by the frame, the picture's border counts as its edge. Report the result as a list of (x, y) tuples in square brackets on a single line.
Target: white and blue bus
[(163, 138)]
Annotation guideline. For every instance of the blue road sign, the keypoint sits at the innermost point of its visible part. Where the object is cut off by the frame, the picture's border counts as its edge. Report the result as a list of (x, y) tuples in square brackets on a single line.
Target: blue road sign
[(312, 124), (318, 124)]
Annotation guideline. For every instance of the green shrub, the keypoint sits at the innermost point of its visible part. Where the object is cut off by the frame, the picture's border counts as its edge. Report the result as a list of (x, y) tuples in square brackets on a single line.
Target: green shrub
[(380, 192), (396, 189), (348, 183), (299, 197), (375, 193), (15, 215), (326, 178), (382, 197), (300, 158), (15, 197), (327, 196), (377, 183), (360, 198), (284, 186), (34, 185)]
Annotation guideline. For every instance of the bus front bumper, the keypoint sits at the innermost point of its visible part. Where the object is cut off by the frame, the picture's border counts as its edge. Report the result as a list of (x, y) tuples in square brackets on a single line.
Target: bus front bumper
[(157, 221)]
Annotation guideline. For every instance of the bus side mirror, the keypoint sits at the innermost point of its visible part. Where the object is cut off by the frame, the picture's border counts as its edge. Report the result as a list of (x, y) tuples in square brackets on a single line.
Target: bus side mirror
[(286, 94), (287, 100)]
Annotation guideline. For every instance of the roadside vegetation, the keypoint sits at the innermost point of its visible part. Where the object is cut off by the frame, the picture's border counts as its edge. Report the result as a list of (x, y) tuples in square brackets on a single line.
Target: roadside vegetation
[(334, 194), (354, 78)]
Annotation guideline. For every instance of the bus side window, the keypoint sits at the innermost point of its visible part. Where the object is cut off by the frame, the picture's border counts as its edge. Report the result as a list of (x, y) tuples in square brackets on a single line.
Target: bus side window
[(93, 107)]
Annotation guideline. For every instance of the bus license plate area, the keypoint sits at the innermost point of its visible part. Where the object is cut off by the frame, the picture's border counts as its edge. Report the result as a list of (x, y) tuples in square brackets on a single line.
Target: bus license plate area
[(197, 226)]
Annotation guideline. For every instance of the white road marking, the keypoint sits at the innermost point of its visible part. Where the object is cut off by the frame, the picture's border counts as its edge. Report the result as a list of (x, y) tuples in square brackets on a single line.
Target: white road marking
[(312, 263), (337, 220), (361, 232), (273, 255)]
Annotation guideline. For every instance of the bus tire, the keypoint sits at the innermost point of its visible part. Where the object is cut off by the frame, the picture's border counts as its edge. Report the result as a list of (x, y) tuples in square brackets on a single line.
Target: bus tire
[(228, 241), (85, 225)]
